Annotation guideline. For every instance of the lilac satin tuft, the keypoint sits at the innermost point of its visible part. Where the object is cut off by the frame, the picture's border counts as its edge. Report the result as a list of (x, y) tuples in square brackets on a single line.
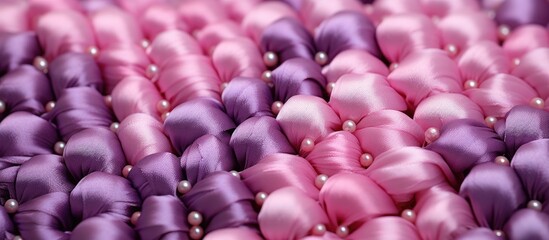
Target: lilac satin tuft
[(17, 49)]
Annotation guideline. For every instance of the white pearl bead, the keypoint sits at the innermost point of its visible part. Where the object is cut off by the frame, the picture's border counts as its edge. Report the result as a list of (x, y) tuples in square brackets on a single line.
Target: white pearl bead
[(501, 160), (135, 217), (50, 106), (537, 103), (349, 126), (342, 231), (126, 170), (490, 121), (163, 106), (194, 218), (165, 115), (452, 50), (41, 64), (409, 215), (108, 100), (504, 31), (93, 50), (321, 180), (535, 205), (321, 58), (393, 66), (59, 147), (2, 107), (11, 205), (145, 43), (516, 61), (431, 134), (276, 107), (307, 145), (330, 87), (235, 174), (318, 230), (115, 126), (151, 72), (270, 59), (223, 86), (366, 160), (499, 233), (267, 76), (184, 187), (196, 232), (260, 198), (470, 84)]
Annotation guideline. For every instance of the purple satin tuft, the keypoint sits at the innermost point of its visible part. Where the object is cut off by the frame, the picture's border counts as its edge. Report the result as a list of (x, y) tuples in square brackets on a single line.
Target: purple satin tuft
[(288, 38), (224, 202), (29, 135), (256, 138), (103, 227), (514, 13), (17, 49), (79, 109), (94, 150), (247, 97), (518, 131), (156, 174), (41, 175), (45, 217), (207, 154), (6, 226), (8, 172), (163, 217), (528, 224), (102, 193), (466, 143), (25, 89), (346, 30), (531, 164), (74, 70), (298, 76), (193, 119), (486, 195)]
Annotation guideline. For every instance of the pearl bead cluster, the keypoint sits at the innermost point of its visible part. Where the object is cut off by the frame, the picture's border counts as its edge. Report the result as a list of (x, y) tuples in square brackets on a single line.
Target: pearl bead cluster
[(195, 219)]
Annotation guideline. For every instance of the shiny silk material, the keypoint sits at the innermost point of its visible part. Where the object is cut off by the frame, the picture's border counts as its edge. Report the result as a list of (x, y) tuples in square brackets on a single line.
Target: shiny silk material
[(514, 13), (25, 89), (36, 136), (358, 33), (79, 109), (193, 118), (247, 97), (298, 76), (74, 70), (388, 137), (470, 145), (207, 154), (231, 207), (157, 174), (104, 155), (17, 49), (289, 39)]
